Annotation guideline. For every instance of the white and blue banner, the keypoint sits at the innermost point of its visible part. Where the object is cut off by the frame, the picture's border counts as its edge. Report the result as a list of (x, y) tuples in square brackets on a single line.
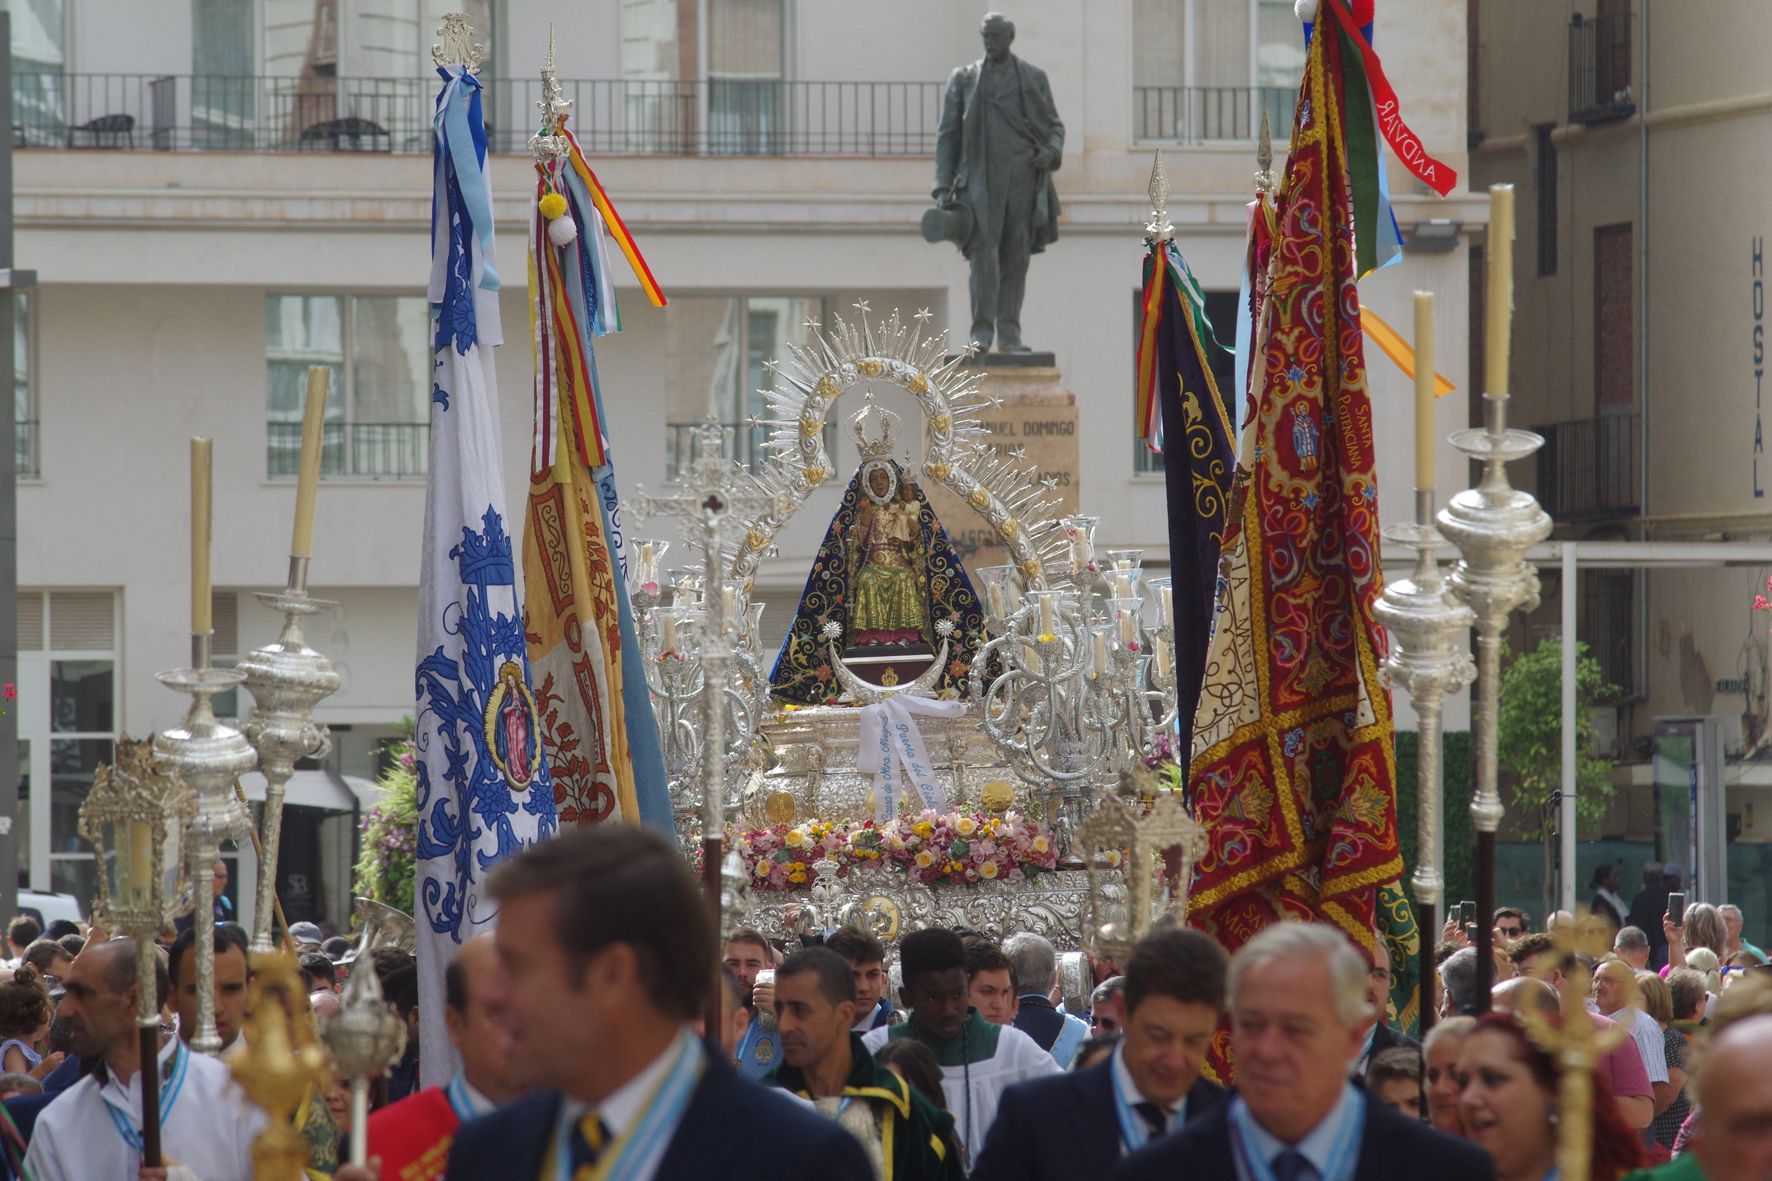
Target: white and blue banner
[(484, 791)]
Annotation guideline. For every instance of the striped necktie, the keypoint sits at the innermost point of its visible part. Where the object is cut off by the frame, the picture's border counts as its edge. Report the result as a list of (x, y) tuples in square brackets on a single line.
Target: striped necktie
[(589, 1138)]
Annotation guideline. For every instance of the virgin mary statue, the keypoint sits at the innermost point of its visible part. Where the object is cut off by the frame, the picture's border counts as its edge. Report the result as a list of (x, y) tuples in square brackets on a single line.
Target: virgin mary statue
[(886, 575)]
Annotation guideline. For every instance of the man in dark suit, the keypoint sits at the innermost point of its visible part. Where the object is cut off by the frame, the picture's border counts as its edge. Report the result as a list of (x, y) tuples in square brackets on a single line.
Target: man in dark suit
[(1079, 1125), (1381, 1036), (605, 955), (1298, 1018)]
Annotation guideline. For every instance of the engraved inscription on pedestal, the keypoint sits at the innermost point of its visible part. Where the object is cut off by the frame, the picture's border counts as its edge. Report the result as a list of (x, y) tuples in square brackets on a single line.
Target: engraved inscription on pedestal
[(1036, 415)]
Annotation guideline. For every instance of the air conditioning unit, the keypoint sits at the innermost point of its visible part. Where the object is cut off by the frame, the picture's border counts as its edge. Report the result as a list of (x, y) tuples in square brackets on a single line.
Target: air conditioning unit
[(1603, 734)]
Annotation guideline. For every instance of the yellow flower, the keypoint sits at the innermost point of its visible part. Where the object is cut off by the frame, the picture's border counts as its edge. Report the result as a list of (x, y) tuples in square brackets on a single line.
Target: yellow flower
[(761, 870), (795, 838), (965, 826), (1041, 844), (923, 829), (988, 870), (924, 859), (1046, 638), (797, 867), (798, 875), (1113, 857)]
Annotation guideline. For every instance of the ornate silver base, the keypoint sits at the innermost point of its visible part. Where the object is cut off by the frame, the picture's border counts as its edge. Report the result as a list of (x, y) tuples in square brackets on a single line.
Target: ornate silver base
[(208, 756), (286, 679)]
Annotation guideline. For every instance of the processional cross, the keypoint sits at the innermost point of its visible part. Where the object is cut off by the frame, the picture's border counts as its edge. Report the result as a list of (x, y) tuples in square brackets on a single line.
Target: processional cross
[(1578, 1044)]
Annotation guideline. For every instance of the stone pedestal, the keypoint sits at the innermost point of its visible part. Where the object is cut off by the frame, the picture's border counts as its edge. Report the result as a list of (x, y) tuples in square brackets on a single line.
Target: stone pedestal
[(1036, 414)]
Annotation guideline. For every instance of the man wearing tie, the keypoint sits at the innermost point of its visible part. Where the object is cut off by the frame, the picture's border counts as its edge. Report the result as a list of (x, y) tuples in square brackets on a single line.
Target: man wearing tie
[(1079, 1125), (606, 952), (1298, 1021)]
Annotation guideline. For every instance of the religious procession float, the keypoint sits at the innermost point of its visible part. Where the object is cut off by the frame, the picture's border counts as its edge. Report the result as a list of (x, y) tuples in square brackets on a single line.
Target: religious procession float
[(1057, 742)]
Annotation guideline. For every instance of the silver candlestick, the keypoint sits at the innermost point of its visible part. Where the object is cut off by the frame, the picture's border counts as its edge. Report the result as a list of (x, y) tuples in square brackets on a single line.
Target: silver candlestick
[(1492, 525), (1428, 659), (207, 755), (287, 679)]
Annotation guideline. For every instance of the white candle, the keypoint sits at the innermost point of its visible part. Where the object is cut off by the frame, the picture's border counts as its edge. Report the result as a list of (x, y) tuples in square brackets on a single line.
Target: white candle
[(729, 598), (1498, 316), (1163, 662), (670, 632), (1424, 390), (1128, 629), (1030, 657), (1046, 623), (1098, 652), (1123, 584), (1166, 601), (994, 596)]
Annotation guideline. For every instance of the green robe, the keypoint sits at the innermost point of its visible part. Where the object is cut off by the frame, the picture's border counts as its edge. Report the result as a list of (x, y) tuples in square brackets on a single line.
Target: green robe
[(914, 1134)]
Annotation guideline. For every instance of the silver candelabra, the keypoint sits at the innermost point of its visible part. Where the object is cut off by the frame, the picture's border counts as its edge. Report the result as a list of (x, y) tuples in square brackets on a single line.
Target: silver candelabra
[(1492, 525), (287, 679), (1428, 659), (1068, 691), (208, 755)]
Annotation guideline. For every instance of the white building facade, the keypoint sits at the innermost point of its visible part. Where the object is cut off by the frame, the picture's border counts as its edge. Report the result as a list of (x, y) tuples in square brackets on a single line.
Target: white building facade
[(217, 195)]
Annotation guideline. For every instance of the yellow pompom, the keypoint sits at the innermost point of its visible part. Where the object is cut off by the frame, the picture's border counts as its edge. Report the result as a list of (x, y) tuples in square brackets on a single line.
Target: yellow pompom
[(552, 206)]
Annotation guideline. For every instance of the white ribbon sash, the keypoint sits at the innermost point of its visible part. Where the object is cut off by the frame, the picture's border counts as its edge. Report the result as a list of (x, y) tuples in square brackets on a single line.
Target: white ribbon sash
[(890, 739)]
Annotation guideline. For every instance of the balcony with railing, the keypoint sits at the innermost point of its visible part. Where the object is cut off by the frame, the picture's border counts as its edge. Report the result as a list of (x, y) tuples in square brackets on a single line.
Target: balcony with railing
[(717, 117), (1210, 114), (353, 450), (1600, 69), (1588, 468)]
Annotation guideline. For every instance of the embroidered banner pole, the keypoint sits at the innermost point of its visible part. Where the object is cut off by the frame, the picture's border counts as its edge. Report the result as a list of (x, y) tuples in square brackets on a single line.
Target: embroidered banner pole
[(602, 738), (484, 791)]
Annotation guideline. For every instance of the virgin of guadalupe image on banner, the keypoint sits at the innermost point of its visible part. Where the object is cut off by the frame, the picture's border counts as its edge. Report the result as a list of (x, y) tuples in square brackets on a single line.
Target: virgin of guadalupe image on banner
[(886, 585)]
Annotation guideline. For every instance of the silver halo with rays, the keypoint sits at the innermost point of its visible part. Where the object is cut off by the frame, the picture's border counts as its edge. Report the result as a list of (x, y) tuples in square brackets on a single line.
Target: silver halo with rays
[(1015, 503)]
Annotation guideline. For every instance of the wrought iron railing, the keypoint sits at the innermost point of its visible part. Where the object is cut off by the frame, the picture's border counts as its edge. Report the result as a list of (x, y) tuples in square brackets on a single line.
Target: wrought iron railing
[(1588, 467), (365, 450), (1600, 69), (737, 117), (1208, 114)]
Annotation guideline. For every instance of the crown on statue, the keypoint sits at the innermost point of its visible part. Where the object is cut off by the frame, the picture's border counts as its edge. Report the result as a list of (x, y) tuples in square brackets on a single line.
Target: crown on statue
[(874, 430)]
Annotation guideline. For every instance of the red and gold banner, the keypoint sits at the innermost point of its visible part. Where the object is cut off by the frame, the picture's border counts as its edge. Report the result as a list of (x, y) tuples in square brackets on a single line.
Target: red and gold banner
[(1293, 765)]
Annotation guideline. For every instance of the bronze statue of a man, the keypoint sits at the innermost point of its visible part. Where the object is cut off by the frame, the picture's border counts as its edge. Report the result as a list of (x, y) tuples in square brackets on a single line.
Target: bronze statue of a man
[(999, 143)]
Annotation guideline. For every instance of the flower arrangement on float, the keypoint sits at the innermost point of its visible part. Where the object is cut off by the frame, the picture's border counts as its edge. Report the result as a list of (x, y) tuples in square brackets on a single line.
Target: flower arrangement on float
[(968, 848)]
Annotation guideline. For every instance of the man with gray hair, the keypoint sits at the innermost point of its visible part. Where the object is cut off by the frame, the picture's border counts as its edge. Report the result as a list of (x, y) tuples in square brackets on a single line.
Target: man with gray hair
[(1632, 946), (1732, 924), (1033, 963), (1298, 1018), (1458, 978)]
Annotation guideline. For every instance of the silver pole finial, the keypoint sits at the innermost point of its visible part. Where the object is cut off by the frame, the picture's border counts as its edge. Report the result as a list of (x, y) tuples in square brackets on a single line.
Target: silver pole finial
[(1264, 157), (457, 46), (1159, 228)]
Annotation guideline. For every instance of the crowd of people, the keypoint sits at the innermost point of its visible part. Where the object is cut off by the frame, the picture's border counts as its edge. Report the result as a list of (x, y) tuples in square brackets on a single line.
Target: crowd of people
[(581, 1050)]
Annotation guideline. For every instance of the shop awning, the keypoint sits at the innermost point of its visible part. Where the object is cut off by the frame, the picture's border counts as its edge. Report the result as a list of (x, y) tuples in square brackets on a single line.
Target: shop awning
[(314, 789)]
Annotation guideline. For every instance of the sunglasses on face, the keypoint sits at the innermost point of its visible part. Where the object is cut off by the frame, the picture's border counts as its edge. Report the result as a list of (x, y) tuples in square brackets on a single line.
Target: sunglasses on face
[(1512, 932)]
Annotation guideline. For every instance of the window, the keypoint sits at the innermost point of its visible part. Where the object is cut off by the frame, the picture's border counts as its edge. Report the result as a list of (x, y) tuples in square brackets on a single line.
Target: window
[(715, 350), (39, 61), (1221, 311), (67, 725), (1546, 159), (378, 412), (1205, 70), (746, 49), (224, 91), (1614, 329), (24, 402)]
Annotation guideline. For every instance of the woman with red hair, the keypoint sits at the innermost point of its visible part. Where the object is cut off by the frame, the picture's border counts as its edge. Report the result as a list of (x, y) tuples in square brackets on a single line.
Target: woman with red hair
[(1508, 1096)]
